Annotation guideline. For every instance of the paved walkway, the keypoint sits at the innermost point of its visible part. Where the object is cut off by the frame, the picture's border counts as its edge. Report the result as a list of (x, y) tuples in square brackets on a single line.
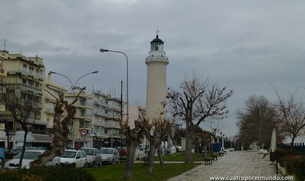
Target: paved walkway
[(238, 163)]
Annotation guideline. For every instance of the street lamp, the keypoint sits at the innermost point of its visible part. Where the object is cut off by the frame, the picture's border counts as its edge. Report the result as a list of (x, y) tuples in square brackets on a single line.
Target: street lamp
[(102, 50), (223, 141), (73, 86)]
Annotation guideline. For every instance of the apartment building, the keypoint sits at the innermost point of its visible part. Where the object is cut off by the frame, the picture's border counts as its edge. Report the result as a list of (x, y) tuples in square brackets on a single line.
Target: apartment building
[(24, 78), (96, 113), (3, 55), (135, 112), (82, 120), (106, 127)]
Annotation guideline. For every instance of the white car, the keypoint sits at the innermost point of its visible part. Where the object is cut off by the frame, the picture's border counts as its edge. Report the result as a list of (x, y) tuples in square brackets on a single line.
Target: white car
[(139, 154), (29, 156), (109, 155), (74, 158), (93, 157)]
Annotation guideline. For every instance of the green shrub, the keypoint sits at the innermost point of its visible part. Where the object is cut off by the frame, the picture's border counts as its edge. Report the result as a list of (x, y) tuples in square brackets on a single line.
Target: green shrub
[(46, 174), (288, 161), (15, 175), (283, 152), (299, 167)]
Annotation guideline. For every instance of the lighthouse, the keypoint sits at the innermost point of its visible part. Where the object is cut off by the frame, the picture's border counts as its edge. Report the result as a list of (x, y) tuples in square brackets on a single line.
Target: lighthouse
[(156, 80)]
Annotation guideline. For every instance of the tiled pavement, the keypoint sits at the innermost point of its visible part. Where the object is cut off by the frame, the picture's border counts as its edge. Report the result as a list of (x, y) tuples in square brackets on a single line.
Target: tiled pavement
[(238, 163)]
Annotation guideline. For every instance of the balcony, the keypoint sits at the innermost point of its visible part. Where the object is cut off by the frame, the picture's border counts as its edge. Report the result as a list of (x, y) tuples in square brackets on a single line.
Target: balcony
[(24, 88), (102, 114), (30, 74)]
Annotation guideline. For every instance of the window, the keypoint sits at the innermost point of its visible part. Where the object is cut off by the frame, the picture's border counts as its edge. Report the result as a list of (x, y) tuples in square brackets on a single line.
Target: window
[(31, 70), (41, 72), (82, 102), (23, 81), (82, 113), (37, 72), (30, 83), (24, 67), (81, 124)]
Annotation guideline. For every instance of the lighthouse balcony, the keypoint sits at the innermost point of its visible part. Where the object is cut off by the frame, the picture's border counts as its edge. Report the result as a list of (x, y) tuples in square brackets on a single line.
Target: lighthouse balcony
[(157, 57)]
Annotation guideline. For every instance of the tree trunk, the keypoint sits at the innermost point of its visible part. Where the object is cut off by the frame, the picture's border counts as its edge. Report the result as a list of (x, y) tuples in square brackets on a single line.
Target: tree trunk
[(160, 158), (60, 130), (151, 158), (23, 148), (292, 144), (130, 155), (188, 148)]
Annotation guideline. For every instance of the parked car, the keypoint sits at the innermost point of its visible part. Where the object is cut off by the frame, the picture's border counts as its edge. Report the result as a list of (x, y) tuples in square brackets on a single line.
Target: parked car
[(29, 156), (8, 154), (109, 155), (2, 156), (93, 157), (19, 149), (139, 153), (74, 158)]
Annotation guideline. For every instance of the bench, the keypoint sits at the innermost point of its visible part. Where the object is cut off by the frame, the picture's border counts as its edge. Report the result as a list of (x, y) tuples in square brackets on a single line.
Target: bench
[(214, 156), (207, 161)]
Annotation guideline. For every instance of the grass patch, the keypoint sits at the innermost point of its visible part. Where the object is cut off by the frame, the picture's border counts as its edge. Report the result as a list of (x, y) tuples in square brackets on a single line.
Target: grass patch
[(116, 172)]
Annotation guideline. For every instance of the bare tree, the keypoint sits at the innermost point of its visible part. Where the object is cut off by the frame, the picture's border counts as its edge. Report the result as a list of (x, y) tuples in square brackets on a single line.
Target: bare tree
[(133, 138), (60, 130), (292, 112), (24, 109), (257, 120), (194, 102), (160, 128)]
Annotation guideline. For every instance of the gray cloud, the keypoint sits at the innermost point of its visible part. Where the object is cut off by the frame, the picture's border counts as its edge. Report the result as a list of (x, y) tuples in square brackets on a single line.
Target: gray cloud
[(244, 45)]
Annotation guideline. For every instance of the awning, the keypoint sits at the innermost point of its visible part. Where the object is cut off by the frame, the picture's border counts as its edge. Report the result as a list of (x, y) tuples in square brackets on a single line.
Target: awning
[(40, 138), (33, 138)]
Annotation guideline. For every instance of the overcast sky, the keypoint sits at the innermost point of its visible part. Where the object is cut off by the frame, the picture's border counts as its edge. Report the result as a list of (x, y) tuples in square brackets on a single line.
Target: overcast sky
[(243, 45)]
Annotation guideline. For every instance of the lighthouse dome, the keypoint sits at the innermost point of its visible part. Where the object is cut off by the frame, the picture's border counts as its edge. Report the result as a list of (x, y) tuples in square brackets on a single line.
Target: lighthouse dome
[(157, 40)]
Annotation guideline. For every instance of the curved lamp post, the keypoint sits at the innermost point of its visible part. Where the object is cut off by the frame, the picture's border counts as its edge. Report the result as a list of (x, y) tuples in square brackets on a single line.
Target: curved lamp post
[(73, 85), (102, 50)]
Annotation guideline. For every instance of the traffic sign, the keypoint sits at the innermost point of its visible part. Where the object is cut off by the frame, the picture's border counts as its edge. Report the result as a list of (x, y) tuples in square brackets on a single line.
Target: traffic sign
[(83, 132)]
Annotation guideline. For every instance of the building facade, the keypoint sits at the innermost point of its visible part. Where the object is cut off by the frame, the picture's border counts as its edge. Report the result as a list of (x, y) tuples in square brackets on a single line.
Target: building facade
[(82, 120), (3, 138), (107, 111), (25, 80)]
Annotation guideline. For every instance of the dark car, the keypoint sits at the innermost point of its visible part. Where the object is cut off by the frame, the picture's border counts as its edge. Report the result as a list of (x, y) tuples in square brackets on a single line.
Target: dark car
[(8, 154)]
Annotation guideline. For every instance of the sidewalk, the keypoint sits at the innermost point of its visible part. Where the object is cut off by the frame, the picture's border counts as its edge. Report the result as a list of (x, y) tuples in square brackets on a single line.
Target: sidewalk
[(238, 163)]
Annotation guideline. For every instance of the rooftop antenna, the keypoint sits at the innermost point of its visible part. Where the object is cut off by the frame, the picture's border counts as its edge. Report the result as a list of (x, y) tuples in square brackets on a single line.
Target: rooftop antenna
[(5, 43)]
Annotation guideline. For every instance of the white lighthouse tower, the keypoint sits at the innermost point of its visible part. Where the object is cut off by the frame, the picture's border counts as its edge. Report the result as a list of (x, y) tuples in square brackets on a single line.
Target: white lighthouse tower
[(156, 80)]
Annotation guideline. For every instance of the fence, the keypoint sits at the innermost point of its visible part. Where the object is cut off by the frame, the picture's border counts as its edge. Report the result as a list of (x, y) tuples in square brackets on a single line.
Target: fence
[(297, 148)]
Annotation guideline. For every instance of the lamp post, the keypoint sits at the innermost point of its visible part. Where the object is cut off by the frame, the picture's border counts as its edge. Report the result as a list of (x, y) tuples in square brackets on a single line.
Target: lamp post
[(102, 50), (73, 86), (223, 141)]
